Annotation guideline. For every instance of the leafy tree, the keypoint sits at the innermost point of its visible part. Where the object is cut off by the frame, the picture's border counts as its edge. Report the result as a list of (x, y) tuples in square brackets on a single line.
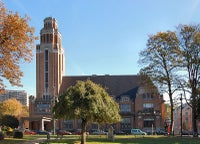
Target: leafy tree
[(159, 62), (189, 40), (9, 121), (89, 102), (10, 107), (25, 111), (16, 45)]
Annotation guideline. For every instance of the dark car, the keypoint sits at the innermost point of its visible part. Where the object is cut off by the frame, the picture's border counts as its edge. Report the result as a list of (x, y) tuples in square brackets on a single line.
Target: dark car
[(42, 132), (120, 132), (186, 132), (161, 132), (63, 132)]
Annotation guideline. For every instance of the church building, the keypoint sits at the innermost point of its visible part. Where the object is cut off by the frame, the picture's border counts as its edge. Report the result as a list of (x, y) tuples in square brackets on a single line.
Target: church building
[(140, 106)]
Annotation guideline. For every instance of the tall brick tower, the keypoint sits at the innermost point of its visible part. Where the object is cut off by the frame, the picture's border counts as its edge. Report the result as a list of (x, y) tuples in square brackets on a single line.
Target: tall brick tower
[(49, 61), (50, 67)]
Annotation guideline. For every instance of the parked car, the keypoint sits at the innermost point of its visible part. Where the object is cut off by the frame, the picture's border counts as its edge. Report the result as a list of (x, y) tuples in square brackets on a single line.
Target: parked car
[(120, 132), (73, 131), (99, 132), (186, 132), (149, 132), (138, 132), (161, 132), (29, 132), (79, 132), (42, 132), (63, 132)]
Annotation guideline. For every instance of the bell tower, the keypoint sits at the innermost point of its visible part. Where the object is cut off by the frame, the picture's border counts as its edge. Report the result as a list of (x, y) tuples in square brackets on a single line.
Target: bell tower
[(50, 68), (50, 61)]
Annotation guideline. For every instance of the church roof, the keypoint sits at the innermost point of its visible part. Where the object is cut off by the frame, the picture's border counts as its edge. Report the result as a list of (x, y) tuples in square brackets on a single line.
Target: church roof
[(116, 85)]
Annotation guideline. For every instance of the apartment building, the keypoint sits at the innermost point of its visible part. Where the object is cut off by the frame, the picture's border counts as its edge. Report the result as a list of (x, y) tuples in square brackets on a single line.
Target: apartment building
[(20, 95)]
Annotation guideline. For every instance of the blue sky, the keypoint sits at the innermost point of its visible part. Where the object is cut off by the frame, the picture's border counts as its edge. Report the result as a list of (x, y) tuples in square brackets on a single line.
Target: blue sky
[(103, 36)]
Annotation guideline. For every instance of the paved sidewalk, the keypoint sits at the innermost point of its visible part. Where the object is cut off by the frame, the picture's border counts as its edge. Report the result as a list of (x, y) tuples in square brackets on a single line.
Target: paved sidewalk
[(37, 141)]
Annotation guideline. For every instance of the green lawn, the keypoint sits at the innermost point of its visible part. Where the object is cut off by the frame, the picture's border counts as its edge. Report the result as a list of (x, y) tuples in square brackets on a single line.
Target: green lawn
[(11, 140), (130, 139), (92, 139)]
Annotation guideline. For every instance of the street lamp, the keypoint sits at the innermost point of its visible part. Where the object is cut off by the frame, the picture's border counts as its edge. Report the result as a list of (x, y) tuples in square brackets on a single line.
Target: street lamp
[(156, 115), (154, 122), (181, 113)]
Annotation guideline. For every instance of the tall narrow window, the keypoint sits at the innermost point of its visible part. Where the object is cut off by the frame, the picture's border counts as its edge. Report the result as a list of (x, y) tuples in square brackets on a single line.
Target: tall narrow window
[(46, 77), (46, 69), (46, 55)]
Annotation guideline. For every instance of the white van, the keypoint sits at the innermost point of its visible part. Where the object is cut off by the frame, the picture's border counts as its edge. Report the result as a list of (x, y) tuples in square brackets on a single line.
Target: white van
[(137, 132)]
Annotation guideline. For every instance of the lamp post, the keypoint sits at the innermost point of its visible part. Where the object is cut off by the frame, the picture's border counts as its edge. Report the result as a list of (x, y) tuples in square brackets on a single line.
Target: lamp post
[(181, 113), (154, 122)]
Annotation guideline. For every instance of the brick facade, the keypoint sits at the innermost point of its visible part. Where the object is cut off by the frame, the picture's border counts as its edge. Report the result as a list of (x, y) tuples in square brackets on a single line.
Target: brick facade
[(139, 107)]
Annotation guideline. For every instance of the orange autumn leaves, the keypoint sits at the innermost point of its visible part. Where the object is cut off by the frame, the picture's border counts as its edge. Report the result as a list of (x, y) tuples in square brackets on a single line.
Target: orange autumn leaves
[(16, 45)]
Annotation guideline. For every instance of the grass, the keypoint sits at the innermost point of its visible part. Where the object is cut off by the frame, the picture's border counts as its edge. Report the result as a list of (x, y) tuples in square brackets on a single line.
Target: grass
[(11, 140), (130, 139), (94, 139)]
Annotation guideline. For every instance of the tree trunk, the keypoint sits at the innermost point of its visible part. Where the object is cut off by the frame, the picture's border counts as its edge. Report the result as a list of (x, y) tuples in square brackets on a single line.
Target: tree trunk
[(194, 125), (194, 110), (172, 107), (194, 113), (83, 134), (172, 115)]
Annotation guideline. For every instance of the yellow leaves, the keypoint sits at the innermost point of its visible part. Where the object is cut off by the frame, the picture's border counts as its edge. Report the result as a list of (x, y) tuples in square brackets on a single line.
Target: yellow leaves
[(25, 111), (16, 44), (11, 107)]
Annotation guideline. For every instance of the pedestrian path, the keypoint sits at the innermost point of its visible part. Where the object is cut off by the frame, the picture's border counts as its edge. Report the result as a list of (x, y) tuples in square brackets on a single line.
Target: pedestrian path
[(36, 141)]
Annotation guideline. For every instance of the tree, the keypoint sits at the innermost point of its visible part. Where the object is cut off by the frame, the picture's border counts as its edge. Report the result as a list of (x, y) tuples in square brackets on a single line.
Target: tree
[(16, 45), (11, 107), (189, 41), (25, 111), (89, 102), (160, 63), (9, 121)]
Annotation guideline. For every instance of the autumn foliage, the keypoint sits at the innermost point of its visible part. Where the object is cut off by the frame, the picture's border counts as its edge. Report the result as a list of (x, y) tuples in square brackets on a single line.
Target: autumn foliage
[(16, 45), (11, 107)]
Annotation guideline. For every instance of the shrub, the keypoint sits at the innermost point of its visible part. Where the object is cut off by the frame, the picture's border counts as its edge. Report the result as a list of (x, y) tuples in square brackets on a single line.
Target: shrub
[(17, 134), (10, 121), (1, 136), (9, 133)]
